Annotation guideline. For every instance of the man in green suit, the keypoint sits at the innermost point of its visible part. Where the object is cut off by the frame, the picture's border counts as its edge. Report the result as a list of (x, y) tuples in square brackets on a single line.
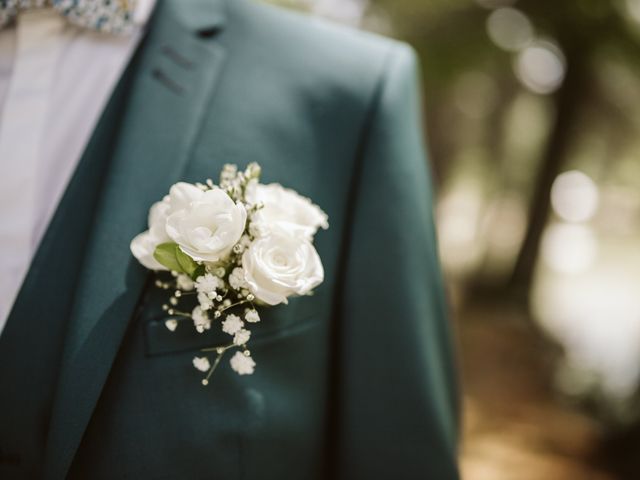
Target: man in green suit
[(356, 382)]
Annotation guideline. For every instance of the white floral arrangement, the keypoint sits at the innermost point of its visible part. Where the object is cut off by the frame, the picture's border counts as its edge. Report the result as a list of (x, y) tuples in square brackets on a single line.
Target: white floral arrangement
[(235, 246)]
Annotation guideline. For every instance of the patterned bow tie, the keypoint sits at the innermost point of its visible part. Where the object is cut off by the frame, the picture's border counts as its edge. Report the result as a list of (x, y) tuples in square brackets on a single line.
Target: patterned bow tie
[(110, 16)]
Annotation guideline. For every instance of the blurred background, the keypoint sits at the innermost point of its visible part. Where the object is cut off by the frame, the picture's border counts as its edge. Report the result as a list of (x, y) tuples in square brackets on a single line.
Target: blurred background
[(533, 115)]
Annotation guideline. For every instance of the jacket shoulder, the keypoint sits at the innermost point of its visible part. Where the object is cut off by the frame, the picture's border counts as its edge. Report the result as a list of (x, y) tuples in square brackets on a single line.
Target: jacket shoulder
[(322, 52)]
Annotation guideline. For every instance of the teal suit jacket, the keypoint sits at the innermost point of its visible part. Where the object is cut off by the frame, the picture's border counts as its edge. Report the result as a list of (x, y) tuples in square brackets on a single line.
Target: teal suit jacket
[(355, 382)]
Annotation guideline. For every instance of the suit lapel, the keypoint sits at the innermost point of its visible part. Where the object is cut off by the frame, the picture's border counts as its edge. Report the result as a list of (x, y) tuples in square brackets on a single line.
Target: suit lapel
[(175, 74)]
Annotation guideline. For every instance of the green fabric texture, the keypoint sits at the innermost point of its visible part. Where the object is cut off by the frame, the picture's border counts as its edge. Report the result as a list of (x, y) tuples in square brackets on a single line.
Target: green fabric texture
[(32, 340), (354, 382)]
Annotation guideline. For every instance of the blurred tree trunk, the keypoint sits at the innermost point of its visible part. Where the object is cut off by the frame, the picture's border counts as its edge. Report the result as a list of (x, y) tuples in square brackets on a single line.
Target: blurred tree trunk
[(567, 102)]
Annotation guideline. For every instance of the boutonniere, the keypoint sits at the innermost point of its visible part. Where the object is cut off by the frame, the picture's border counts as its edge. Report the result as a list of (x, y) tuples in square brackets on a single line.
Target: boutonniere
[(233, 246)]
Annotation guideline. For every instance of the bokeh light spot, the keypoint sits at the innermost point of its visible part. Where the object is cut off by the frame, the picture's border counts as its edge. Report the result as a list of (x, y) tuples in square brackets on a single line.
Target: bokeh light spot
[(540, 67), (574, 196), (509, 29), (569, 248)]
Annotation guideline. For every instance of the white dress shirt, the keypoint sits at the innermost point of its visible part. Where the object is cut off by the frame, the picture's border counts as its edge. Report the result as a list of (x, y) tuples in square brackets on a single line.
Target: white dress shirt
[(55, 80)]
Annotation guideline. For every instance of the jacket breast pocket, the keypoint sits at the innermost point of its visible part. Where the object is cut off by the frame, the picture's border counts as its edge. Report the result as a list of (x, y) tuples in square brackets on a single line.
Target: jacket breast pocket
[(275, 323)]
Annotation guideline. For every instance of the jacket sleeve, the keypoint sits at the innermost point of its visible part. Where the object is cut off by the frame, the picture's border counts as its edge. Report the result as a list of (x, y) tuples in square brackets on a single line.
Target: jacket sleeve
[(397, 389)]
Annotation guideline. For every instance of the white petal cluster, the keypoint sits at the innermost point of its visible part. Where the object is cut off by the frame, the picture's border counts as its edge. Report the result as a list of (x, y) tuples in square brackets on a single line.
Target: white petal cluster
[(209, 284), (241, 337), (171, 324), (201, 320), (144, 245), (205, 301), (284, 209), (237, 279), (243, 364), (201, 363), (251, 315), (232, 324)]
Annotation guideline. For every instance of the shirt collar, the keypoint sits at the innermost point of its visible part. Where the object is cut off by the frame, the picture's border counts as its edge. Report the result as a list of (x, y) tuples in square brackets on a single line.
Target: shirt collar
[(143, 11)]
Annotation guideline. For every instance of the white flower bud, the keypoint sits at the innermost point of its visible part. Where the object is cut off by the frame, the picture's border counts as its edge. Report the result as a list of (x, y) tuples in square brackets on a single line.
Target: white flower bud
[(251, 315), (171, 324)]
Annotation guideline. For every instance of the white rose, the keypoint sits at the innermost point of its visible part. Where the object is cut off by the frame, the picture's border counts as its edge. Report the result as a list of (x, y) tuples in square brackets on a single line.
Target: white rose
[(286, 209), (206, 225), (279, 266), (144, 244)]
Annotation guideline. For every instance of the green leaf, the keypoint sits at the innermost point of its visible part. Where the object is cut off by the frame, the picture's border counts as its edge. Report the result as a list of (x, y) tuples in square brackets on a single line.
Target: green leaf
[(165, 254), (187, 263)]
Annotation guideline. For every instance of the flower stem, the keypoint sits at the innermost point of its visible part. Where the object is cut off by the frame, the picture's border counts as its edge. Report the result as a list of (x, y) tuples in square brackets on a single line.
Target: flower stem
[(241, 302), (221, 351)]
